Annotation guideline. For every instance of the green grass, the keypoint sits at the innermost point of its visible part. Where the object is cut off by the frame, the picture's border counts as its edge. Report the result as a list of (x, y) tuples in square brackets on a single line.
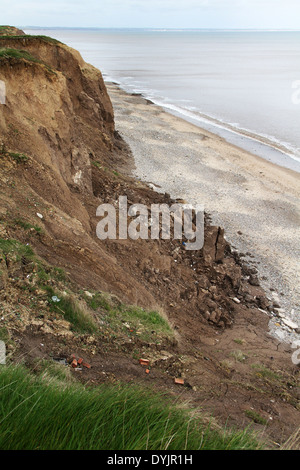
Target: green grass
[(256, 417), (26, 225), (30, 37), (143, 322), (10, 53), (12, 246), (46, 413), (18, 157), (7, 52), (266, 373), (80, 319)]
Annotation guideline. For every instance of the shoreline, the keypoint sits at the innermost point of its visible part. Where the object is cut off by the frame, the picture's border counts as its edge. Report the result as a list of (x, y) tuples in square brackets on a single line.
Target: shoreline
[(256, 201), (265, 147)]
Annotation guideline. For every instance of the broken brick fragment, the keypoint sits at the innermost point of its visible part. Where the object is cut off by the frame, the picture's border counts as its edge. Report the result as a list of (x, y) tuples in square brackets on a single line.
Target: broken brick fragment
[(144, 362), (80, 361), (147, 371), (85, 364), (179, 381), (74, 363)]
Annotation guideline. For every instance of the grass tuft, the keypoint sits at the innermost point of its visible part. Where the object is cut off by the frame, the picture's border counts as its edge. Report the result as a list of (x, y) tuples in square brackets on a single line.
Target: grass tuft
[(75, 313), (117, 315), (10, 53)]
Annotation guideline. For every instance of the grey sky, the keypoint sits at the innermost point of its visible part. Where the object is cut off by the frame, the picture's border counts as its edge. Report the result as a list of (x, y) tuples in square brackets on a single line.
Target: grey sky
[(282, 14)]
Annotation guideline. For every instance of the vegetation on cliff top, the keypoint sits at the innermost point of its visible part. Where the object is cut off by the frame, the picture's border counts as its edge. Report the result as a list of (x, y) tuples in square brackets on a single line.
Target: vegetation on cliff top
[(10, 53), (10, 30), (29, 37)]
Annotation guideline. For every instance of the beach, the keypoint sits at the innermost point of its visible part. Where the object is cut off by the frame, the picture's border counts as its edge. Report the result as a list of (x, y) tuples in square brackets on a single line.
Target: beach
[(254, 200)]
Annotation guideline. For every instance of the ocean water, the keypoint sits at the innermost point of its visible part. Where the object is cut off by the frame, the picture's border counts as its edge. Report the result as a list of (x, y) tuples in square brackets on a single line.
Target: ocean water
[(243, 86)]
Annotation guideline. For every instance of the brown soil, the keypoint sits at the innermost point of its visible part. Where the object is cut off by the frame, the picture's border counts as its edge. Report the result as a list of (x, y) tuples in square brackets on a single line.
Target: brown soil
[(61, 119)]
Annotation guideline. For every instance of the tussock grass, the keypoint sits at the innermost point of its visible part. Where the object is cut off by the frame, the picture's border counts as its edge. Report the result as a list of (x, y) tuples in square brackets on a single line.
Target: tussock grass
[(77, 314), (11, 246), (37, 413), (10, 53), (7, 52), (116, 315)]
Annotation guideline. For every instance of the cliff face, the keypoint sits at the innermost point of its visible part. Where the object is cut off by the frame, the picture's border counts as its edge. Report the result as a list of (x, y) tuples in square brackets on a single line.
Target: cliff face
[(60, 107), (59, 115)]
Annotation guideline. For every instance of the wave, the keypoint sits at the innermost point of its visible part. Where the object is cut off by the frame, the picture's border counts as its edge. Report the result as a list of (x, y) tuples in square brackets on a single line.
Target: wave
[(268, 147), (271, 141)]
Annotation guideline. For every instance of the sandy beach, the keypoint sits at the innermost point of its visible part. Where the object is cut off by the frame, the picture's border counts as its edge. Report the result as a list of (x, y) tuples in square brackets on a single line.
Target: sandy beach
[(257, 202)]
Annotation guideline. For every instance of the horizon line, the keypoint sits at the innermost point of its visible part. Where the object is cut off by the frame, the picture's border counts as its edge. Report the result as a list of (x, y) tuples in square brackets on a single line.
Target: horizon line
[(155, 28)]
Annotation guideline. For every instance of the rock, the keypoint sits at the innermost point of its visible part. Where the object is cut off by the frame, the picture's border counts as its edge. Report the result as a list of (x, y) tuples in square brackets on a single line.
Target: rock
[(279, 311), (290, 323), (215, 316), (214, 245), (206, 315), (204, 282), (280, 334), (236, 300), (253, 280), (262, 302), (249, 298), (89, 294), (276, 305), (263, 311)]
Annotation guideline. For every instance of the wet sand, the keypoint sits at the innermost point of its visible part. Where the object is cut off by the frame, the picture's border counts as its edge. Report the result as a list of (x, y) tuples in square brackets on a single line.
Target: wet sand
[(257, 202)]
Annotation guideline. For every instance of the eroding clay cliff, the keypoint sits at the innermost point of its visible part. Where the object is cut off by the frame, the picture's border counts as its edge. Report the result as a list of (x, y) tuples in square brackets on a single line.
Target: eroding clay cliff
[(60, 157)]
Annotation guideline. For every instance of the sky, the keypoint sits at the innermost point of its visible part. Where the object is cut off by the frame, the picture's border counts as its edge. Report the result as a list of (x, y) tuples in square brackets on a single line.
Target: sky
[(236, 14)]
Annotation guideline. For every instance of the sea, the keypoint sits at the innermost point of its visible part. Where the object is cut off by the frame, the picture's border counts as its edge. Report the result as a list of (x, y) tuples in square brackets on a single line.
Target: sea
[(241, 85)]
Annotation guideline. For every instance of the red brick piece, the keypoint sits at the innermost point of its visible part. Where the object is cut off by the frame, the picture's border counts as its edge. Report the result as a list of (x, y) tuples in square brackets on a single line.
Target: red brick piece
[(80, 361), (144, 362), (179, 381), (85, 364), (74, 363)]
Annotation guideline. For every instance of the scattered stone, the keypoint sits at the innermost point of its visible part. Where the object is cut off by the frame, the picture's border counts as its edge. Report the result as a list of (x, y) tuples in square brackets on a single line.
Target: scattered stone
[(279, 333), (290, 323), (253, 280), (40, 216), (280, 312), (263, 311), (236, 300), (276, 305), (249, 298), (88, 294)]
